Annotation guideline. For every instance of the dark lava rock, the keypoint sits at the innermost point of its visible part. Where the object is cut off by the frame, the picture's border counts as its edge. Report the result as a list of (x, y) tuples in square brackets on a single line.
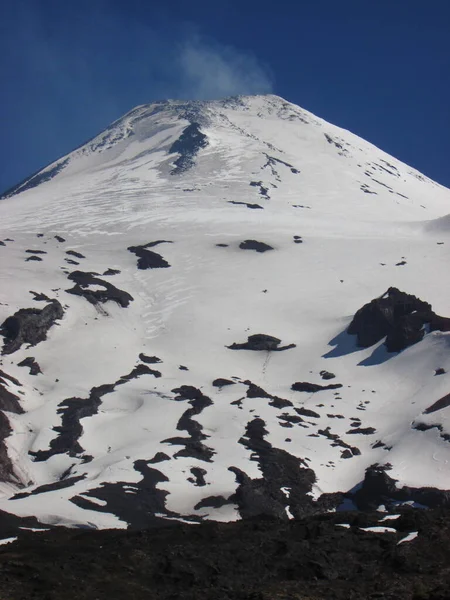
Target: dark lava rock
[(30, 362), (247, 204), (188, 145), (220, 382), (379, 488), (111, 272), (306, 412), (399, 317), (29, 326), (304, 386), (149, 359), (9, 401), (72, 410), (327, 375), (159, 457), (110, 292), (76, 254), (261, 341), (363, 430), (193, 445), (35, 258), (438, 405), (148, 259), (254, 245)]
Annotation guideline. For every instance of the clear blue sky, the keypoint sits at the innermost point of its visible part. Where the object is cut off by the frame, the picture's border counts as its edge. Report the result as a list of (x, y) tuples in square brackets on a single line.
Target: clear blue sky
[(380, 68)]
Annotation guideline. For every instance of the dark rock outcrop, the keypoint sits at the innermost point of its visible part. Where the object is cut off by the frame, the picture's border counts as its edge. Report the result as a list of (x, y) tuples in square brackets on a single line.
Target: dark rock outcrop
[(399, 317), (110, 292), (254, 245), (188, 145), (304, 386), (221, 382), (30, 362), (379, 488), (147, 259), (29, 326), (261, 341)]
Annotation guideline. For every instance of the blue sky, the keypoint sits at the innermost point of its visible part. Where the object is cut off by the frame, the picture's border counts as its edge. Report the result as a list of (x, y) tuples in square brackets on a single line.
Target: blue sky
[(380, 68)]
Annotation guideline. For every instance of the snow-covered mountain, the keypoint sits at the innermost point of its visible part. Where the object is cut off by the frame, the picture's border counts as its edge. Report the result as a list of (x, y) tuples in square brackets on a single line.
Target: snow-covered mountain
[(176, 297)]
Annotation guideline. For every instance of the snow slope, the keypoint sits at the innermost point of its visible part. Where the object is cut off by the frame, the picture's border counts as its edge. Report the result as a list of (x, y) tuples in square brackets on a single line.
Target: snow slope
[(344, 220)]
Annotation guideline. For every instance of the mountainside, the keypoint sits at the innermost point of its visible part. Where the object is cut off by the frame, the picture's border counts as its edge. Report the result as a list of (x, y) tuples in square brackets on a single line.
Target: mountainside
[(218, 310)]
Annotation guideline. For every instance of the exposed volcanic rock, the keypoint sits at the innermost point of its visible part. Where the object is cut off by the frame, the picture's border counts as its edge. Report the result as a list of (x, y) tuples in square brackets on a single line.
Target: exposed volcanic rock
[(73, 410), (30, 362), (9, 401), (255, 245), (378, 488), (94, 296), (261, 341), (193, 445), (263, 190), (148, 499), (48, 487), (111, 272), (327, 375), (438, 405), (399, 317), (76, 254), (6, 466), (188, 145), (147, 259), (304, 386), (306, 412), (149, 359), (33, 257), (220, 382), (247, 204), (280, 470), (254, 391), (29, 326)]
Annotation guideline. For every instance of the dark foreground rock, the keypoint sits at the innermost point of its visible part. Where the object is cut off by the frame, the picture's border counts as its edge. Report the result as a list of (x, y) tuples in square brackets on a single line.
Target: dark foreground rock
[(29, 326), (256, 559), (399, 317)]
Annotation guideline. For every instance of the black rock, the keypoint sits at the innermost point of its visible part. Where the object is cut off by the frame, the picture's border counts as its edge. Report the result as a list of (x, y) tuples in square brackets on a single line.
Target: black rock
[(29, 326), (399, 317), (76, 254), (30, 362), (190, 142), (255, 245), (147, 259), (33, 257), (261, 341), (110, 292), (304, 386), (220, 382), (327, 375)]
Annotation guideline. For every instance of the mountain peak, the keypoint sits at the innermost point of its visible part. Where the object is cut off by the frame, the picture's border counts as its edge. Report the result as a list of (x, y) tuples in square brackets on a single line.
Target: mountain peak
[(196, 325)]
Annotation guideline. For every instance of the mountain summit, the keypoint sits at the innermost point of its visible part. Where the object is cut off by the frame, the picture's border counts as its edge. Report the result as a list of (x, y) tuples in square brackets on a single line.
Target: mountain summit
[(216, 310)]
